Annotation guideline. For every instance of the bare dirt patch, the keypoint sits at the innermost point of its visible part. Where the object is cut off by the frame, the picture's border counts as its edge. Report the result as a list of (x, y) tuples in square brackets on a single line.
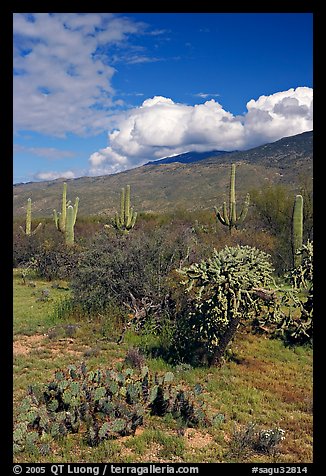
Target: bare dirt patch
[(25, 344), (195, 439), (66, 346)]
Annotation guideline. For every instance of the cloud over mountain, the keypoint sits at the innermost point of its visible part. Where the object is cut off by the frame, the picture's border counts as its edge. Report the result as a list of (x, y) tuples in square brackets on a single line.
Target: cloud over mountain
[(160, 127)]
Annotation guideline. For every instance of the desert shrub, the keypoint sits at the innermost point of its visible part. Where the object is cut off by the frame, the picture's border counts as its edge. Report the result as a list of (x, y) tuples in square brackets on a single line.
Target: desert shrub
[(134, 358), (272, 207), (54, 260), (251, 439), (223, 290), (46, 250), (156, 335), (125, 269), (86, 228), (24, 247), (306, 190)]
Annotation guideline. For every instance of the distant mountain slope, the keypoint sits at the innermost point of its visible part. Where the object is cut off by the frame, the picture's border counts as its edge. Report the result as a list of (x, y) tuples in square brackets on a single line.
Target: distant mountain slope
[(165, 187), (188, 157), (283, 153)]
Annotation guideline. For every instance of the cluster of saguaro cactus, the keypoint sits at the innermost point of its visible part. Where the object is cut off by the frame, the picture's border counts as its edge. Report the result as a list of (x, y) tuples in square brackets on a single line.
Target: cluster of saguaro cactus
[(297, 230), (28, 225), (229, 217), (65, 221), (127, 218)]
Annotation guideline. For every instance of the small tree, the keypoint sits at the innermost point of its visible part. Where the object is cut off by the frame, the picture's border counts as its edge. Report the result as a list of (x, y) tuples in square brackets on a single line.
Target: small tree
[(227, 288)]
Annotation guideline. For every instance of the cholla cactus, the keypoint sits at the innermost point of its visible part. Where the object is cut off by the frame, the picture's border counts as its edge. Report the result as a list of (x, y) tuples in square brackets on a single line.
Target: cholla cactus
[(28, 226), (224, 293), (127, 218), (302, 276), (230, 218)]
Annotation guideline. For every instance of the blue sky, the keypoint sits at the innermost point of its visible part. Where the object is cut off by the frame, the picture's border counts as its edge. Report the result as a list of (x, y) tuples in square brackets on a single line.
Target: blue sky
[(101, 93)]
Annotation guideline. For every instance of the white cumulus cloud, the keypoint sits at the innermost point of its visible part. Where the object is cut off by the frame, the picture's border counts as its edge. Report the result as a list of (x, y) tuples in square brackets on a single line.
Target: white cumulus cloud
[(52, 175), (160, 127), (279, 115), (62, 79)]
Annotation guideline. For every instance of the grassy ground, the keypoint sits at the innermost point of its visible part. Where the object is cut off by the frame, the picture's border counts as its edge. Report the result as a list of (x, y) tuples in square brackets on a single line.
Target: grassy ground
[(266, 384)]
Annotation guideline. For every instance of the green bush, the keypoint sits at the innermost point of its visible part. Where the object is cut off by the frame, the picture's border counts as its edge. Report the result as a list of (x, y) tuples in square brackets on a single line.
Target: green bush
[(46, 250), (54, 260), (24, 247), (122, 269)]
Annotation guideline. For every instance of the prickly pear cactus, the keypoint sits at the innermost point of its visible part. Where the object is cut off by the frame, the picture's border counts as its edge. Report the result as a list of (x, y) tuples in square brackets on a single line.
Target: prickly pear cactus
[(100, 404)]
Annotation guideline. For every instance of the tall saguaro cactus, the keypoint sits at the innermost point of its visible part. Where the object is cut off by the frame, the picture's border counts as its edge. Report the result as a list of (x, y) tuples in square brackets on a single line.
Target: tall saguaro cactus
[(297, 230), (28, 225), (70, 225), (229, 217), (127, 218), (65, 221)]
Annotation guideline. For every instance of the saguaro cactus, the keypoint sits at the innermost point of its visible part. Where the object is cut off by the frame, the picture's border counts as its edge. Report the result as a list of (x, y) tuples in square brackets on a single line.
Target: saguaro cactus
[(297, 230), (28, 226), (127, 218), (230, 218), (62, 220), (70, 225)]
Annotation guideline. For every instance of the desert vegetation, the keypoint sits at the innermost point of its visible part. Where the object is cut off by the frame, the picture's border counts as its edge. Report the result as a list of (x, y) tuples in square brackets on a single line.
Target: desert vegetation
[(165, 337)]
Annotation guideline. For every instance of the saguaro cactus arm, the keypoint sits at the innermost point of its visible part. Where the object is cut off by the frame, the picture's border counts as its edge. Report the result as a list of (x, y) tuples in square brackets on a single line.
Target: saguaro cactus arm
[(64, 204), (29, 217), (56, 219), (76, 209), (223, 218)]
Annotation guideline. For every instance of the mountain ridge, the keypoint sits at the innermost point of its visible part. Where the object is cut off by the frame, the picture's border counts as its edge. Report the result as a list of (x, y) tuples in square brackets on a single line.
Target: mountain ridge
[(169, 186), (189, 157)]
